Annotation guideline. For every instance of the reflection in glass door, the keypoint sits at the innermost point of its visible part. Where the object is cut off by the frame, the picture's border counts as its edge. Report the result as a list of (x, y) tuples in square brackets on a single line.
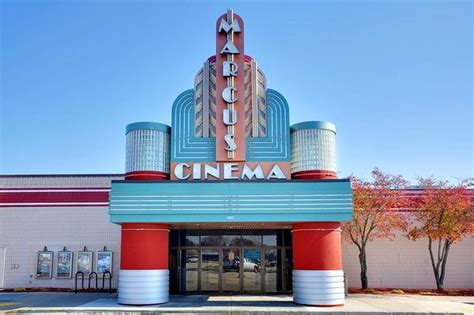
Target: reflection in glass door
[(252, 265), (272, 270), (231, 270), (210, 270), (189, 270)]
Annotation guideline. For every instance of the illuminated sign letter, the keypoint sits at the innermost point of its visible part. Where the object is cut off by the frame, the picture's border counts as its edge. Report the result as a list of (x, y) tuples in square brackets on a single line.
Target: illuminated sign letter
[(197, 171), (229, 48), (229, 139), (257, 172), (179, 171), (212, 171), (227, 94), (229, 69), (229, 168), (226, 27), (276, 173), (229, 117)]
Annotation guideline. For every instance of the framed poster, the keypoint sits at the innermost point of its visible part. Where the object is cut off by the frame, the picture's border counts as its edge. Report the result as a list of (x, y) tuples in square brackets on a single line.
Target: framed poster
[(84, 262), (44, 266), (104, 262), (64, 265)]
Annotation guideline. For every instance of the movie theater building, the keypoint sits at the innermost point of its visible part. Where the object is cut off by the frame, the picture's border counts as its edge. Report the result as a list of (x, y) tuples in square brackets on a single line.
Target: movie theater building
[(229, 199)]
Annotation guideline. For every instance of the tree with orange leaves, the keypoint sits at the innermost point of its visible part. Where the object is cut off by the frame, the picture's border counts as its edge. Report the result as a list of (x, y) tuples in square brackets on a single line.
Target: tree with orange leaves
[(444, 214), (376, 215)]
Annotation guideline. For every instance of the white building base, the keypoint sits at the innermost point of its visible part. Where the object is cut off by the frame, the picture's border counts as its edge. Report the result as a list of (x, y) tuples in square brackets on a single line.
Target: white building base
[(143, 287), (318, 287)]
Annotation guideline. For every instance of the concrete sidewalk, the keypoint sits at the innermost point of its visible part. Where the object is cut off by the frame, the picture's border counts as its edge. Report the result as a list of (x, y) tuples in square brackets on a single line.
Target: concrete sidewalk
[(88, 303)]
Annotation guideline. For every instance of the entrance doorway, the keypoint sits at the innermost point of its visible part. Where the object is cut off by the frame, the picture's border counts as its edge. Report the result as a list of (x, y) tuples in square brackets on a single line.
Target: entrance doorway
[(231, 262)]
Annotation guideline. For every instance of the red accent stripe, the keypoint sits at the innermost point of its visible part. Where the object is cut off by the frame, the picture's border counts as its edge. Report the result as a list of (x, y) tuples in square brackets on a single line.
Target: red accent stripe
[(57, 188), (147, 175), (55, 205), (54, 197), (314, 174)]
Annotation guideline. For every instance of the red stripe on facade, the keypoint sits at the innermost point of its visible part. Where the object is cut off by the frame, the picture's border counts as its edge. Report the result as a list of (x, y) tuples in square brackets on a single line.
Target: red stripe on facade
[(58, 205), (54, 197), (56, 188)]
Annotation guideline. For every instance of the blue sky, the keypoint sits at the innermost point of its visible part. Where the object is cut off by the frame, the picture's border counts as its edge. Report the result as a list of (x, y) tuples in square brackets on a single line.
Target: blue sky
[(394, 76)]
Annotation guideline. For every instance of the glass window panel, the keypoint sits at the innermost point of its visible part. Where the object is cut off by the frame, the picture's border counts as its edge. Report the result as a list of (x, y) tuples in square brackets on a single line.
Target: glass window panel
[(251, 240), (189, 238), (273, 281), (211, 240), (231, 270), (189, 269), (210, 270), (231, 240), (270, 237), (252, 268)]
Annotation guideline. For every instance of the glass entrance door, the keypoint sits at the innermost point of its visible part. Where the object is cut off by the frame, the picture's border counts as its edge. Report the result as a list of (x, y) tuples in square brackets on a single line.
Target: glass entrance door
[(210, 270), (230, 261), (189, 270), (272, 272), (252, 267), (231, 270)]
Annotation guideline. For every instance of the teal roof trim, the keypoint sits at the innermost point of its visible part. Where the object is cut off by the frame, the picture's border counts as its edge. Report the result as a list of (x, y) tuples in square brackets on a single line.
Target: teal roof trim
[(147, 125), (230, 201), (314, 125)]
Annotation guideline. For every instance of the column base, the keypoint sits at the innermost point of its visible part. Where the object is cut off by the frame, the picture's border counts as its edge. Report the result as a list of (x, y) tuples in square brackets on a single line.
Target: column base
[(318, 287), (143, 287)]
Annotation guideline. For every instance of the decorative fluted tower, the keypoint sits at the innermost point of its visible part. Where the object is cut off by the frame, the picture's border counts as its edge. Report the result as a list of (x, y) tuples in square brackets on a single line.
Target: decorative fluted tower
[(318, 278), (144, 275), (147, 151), (313, 150)]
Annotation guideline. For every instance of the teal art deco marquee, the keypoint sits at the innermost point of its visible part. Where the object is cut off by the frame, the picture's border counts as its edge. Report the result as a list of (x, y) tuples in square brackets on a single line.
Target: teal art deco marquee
[(230, 201)]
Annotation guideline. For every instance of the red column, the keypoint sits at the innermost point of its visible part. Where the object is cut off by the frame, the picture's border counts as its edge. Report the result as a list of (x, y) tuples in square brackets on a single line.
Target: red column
[(318, 278), (144, 246), (144, 275)]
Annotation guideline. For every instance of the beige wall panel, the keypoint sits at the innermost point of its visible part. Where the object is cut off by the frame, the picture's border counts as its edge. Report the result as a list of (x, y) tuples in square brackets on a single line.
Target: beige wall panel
[(27, 230), (402, 263)]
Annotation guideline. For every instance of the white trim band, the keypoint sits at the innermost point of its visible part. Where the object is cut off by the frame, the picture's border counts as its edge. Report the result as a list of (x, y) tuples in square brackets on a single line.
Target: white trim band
[(318, 287), (143, 287)]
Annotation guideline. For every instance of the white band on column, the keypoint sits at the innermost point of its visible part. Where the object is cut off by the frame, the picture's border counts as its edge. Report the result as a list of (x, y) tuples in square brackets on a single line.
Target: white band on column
[(142, 287), (318, 287)]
